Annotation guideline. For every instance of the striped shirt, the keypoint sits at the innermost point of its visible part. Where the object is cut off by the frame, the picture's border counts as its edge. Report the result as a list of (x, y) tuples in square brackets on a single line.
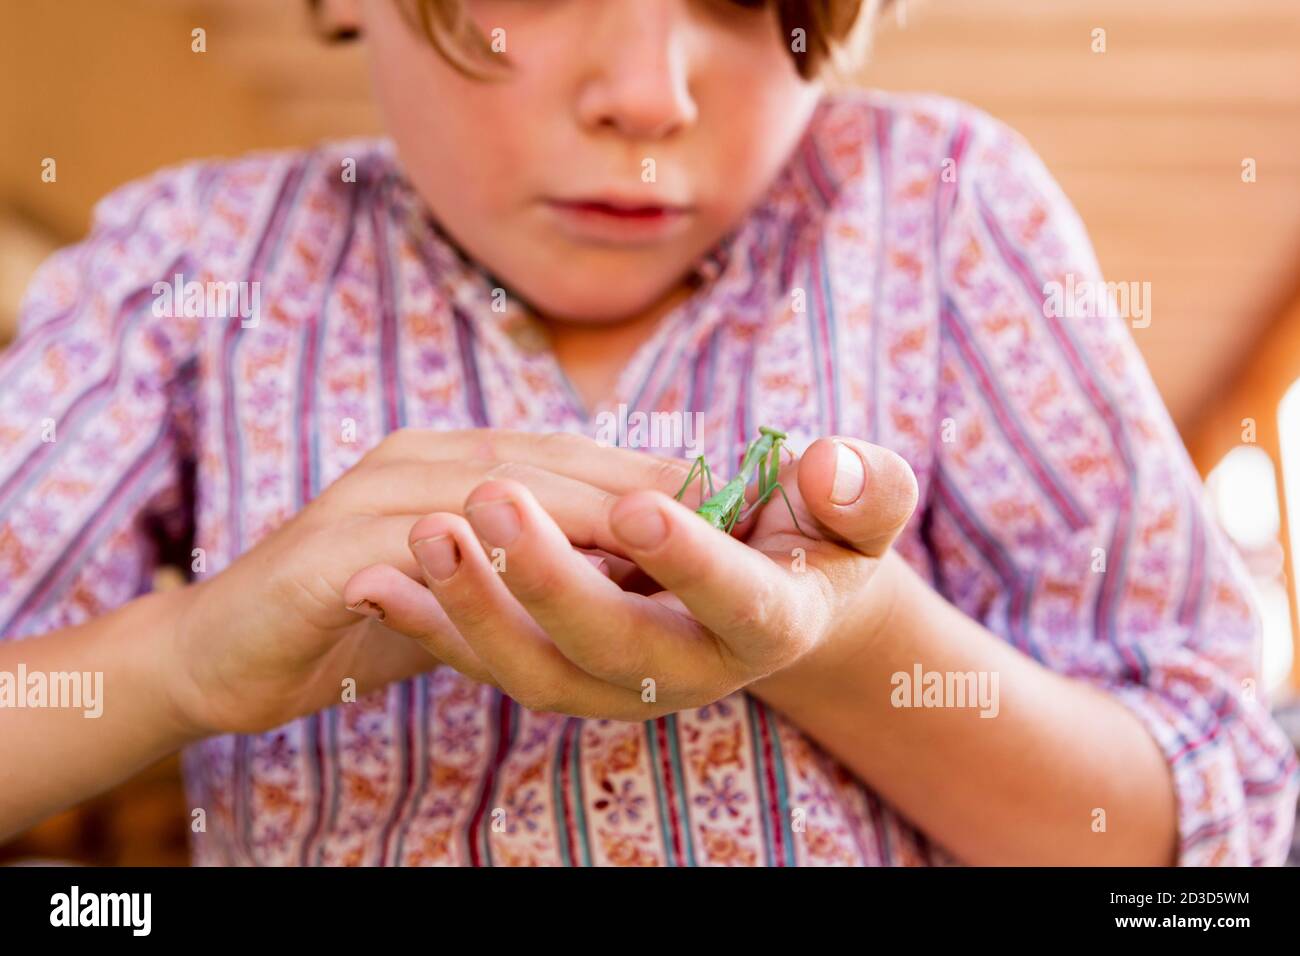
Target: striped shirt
[(892, 284)]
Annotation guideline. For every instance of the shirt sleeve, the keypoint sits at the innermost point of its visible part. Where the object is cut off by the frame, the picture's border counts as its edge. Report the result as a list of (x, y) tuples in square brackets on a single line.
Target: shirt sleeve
[(1065, 514), (96, 416)]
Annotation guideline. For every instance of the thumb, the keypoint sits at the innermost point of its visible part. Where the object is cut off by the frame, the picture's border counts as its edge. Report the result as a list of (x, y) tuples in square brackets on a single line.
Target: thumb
[(861, 492)]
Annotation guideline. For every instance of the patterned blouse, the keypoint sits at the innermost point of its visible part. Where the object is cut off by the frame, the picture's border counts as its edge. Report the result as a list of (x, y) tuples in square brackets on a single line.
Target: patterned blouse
[(890, 285)]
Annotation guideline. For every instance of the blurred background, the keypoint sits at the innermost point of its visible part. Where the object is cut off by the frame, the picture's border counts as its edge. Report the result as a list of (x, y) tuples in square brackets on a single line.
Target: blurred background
[(1173, 125)]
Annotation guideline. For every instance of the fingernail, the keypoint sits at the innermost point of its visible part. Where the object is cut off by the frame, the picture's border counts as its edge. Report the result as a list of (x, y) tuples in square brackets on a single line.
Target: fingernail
[(642, 529), (496, 522), (368, 608), (438, 555), (597, 562), (850, 478)]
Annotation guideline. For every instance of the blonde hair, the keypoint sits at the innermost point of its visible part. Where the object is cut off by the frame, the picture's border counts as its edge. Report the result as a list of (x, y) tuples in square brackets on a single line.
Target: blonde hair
[(833, 32)]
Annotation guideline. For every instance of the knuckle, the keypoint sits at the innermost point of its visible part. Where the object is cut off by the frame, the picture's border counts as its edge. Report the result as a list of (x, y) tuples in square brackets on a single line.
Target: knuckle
[(536, 696), (762, 616), (480, 443), (779, 635), (560, 441), (513, 470), (668, 476), (358, 476), (395, 444), (536, 585), (563, 444), (471, 614), (352, 493), (639, 713), (333, 499), (618, 660), (748, 618)]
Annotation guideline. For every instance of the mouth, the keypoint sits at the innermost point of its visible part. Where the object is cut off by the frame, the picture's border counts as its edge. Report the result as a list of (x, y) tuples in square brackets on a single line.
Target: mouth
[(613, 219)]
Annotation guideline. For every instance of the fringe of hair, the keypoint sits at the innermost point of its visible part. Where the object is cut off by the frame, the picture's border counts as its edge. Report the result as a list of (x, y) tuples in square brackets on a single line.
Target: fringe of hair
[(838, 33)]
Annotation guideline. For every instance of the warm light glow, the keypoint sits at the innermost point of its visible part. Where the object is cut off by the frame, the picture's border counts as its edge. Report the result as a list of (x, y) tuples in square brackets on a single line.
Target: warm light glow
[(1277, 652), (1288, 425), (1244, 490)]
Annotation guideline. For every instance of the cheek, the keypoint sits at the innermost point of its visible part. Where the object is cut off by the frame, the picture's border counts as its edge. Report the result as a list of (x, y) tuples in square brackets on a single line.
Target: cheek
[(435, 115), (456, 163), (469, 173), (746, 151), (753, 107)]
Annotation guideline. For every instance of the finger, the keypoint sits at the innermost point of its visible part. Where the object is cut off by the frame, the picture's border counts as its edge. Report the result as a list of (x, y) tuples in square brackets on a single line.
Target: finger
[(863, 493), (363, 540), (600, 561), (502, 635), (617, 470), (737, 592), (619, 570), (406, 606), (404, 487), (322, 562), (621, 638)]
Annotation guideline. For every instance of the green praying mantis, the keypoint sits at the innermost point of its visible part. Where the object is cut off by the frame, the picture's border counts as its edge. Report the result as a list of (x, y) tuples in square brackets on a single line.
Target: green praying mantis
[(726, 507)]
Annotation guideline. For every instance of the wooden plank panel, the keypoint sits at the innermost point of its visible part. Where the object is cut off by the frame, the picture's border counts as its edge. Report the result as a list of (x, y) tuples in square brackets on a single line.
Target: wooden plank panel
[(1125, 81), (1209, 142)]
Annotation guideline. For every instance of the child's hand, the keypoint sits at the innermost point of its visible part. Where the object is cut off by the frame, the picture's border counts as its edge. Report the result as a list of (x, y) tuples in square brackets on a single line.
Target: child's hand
[(272, 637), (557, 635)]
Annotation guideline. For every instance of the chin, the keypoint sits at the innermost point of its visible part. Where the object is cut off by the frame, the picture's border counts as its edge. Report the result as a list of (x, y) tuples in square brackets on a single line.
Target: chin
[(603, 298)]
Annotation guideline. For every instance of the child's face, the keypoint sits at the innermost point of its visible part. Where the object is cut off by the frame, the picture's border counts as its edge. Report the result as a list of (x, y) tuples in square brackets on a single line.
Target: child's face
[(700, 97)]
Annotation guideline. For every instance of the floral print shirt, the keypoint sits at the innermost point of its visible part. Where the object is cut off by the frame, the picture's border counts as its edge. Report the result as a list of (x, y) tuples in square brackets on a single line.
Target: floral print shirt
[(890, 285)]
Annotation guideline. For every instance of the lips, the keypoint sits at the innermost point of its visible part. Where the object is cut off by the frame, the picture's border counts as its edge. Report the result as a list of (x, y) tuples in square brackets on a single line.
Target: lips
[(616, 219), (620, 209)]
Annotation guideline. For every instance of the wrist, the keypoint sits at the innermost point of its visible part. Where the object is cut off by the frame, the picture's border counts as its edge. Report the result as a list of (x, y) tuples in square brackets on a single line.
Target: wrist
[(177, 636)]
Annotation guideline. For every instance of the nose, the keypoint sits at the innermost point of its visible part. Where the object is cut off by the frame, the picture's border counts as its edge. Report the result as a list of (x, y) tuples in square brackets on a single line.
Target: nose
[(638, 77)]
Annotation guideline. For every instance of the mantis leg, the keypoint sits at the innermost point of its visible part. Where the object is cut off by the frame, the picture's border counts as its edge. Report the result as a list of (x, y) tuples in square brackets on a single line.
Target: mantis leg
[(788, 507), (768, 470), (757, 503), (698, 467), (774, 465), (764, 479), (707, 481), (762, 499), (731, 523)]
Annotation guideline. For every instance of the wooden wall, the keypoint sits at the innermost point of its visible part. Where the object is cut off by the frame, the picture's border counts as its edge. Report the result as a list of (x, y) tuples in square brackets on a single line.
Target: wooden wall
[(1147, 138)]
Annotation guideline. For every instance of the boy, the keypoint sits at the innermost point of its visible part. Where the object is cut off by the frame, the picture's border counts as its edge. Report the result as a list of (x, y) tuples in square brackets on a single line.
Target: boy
[(652, 204)]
